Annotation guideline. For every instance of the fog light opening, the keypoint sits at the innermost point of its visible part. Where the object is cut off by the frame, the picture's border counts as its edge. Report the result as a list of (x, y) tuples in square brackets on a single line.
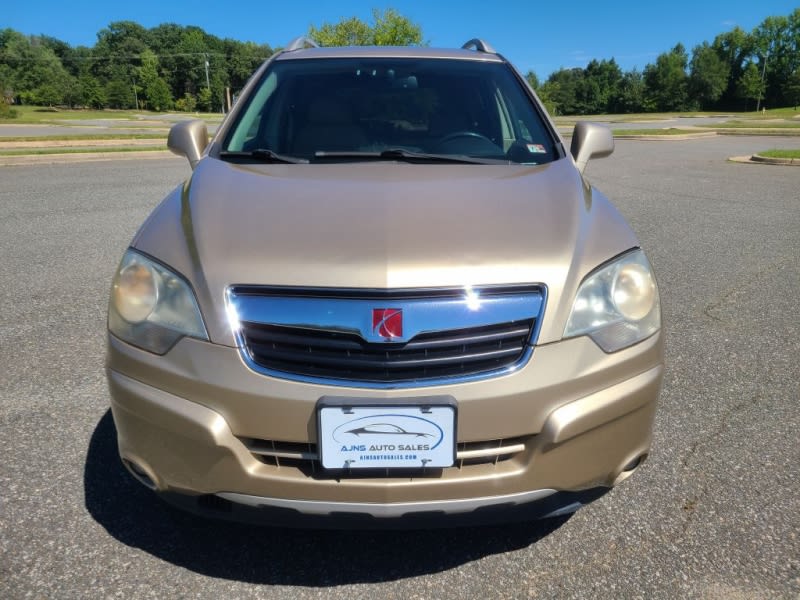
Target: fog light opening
[(634, 463), (139, 474), (629, 468)]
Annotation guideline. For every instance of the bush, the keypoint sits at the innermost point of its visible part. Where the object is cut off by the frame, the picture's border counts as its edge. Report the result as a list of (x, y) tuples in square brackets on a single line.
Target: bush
[(186, 104), (6, 112)]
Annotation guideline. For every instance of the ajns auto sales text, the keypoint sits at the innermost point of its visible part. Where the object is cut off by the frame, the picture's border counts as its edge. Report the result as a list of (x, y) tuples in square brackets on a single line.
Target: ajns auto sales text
[(386, 448)]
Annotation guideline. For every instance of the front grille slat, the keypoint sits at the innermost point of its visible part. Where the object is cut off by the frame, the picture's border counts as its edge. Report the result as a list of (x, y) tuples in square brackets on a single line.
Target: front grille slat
[(469, 338), (429, 355), (392, 361), (305, 456), (299, 337)]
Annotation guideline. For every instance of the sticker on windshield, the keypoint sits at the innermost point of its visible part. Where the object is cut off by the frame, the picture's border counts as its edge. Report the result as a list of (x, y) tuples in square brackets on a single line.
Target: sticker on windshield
[(536, 149)]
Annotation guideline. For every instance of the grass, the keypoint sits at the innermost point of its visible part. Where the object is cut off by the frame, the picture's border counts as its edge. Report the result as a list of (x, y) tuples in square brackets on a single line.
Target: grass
[(778, 153), (43, 151), (28, 115), (787, 112)]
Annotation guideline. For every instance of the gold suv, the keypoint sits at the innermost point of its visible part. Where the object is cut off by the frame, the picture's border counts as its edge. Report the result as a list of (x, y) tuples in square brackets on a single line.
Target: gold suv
[(386, 295)]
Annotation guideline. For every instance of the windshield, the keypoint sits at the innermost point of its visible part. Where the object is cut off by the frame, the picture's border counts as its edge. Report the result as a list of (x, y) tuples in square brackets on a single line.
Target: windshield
[(349, 109)]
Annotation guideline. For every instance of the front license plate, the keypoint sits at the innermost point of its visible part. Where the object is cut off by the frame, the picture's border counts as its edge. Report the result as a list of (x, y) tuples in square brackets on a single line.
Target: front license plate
[(370, 437)]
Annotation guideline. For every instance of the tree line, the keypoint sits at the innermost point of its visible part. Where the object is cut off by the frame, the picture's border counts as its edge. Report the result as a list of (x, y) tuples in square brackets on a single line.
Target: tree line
[(163, 68), (174, 67), (737, 71), (168, 67)]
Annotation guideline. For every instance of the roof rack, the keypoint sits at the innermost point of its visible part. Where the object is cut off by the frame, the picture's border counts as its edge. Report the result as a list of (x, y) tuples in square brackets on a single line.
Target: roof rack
[(299, 43), (479, 45)]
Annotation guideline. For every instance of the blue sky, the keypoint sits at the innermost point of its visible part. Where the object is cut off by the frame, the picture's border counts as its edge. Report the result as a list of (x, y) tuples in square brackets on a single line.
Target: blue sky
[(534, 35)]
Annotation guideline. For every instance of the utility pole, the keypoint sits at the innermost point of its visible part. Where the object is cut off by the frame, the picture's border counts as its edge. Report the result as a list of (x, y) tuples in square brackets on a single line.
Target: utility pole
[(135, 95), (761, 87), (208, 83)]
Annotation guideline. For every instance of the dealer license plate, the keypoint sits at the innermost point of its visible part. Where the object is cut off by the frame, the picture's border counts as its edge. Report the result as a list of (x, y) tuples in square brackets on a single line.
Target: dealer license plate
[(381, 436)]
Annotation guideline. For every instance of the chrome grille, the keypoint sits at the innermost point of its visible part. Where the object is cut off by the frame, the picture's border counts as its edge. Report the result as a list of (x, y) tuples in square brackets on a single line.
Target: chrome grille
[(305, 457), (426, 356), (325, 336)]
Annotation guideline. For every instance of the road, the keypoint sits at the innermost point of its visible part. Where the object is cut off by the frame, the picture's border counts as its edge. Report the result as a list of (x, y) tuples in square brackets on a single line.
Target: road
[(712, 514)]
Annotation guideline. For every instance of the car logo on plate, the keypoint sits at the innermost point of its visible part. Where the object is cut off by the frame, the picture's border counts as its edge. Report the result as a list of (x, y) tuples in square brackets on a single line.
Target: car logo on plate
[(390, 431), (387, 323)]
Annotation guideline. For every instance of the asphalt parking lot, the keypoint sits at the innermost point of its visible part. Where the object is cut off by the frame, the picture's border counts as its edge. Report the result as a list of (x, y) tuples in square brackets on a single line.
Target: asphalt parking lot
[(712, 514)]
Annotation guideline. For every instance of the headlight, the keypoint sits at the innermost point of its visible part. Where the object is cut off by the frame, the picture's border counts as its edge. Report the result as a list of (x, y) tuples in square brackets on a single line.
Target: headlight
[(151, 307), (618, 304)]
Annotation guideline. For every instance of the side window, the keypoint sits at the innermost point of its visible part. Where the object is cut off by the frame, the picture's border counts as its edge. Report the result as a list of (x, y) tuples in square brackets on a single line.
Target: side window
[(250, 122), (523, 129), (506, 126)]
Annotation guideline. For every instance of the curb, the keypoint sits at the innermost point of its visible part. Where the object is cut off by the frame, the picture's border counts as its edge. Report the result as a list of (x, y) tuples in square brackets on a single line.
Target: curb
[(667, 138), (765, 160), (775, 161), (48, 159), (762, 132)]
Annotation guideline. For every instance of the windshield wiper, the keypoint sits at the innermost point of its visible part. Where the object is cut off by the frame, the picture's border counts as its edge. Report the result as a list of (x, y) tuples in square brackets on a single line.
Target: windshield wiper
[(264, 155), (412, 156)]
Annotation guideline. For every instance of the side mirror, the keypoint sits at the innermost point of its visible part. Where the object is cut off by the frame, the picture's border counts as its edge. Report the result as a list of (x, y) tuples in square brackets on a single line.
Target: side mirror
[(189, 139), (590, 140)]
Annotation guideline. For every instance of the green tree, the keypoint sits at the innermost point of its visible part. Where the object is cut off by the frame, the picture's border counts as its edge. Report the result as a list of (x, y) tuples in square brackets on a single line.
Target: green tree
[(241, 59), (750, 85), (532, 80), (792, 91), (708, 77), (157, 93), (773, 43), (164, 40), (191, 65), (666, 81), (599, 87), (159, 96), (631, 93), (116, 50), (119, 94), (388, 28), (204, 99), (71, 95), (547, 93), (186, 104), (92, 94), (543, 91), (562, 89), (735, 46), (33, 71), (147, 73)]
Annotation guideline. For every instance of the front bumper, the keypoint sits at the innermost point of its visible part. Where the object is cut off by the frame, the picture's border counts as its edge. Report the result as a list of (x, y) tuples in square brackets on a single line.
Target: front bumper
[(583, 417)]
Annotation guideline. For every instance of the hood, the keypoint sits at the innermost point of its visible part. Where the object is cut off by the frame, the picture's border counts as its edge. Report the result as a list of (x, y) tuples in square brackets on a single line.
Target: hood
[(384, 225)]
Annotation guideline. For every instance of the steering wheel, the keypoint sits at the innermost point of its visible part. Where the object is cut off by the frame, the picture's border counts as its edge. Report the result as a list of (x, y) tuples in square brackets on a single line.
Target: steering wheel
[(463, 134)]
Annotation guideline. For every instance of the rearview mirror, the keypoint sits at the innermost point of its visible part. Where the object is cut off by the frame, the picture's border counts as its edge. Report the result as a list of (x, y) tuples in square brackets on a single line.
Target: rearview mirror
[(189, 139), (590, 140)]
